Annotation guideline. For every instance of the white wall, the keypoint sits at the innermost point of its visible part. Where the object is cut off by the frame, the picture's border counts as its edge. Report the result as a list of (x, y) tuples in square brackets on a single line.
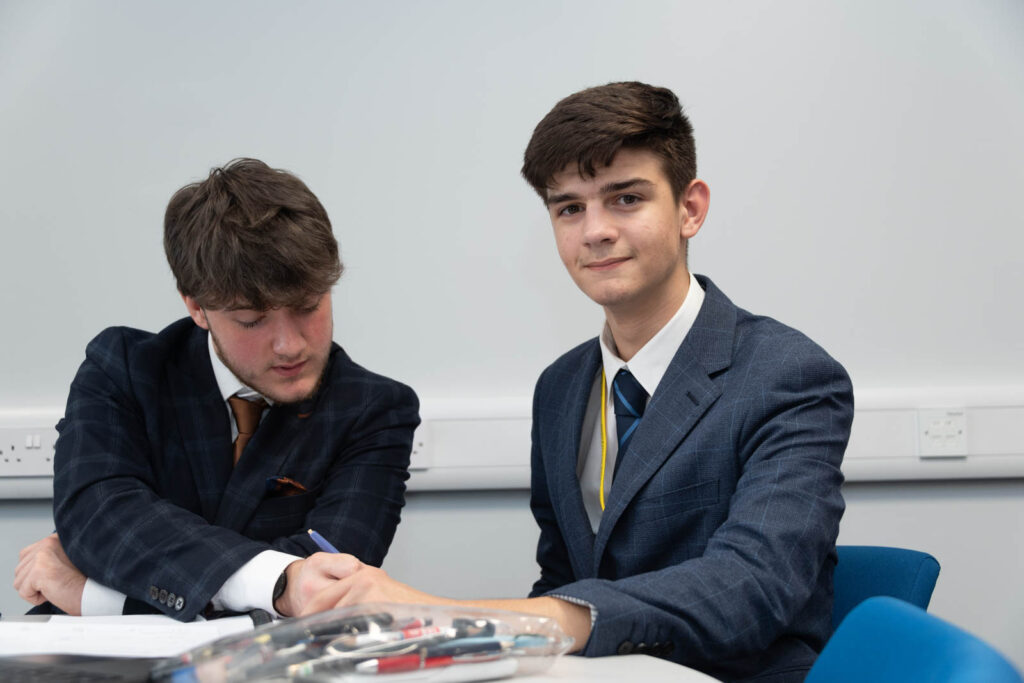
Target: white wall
[(864, 159)]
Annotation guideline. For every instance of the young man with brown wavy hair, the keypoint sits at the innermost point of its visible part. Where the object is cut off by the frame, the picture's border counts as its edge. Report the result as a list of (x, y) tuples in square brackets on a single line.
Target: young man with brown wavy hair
[(191, 462)]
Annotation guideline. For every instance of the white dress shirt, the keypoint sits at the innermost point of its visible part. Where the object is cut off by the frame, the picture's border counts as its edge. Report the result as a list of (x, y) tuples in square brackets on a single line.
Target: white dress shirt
[(648, 366), (250, 587)]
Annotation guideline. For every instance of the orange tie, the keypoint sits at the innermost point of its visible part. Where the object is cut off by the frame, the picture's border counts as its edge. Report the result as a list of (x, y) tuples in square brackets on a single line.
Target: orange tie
[(247, 418)]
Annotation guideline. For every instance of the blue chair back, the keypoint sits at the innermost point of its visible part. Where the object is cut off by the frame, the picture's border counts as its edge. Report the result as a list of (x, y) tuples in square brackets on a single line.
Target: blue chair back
[(865, 571), (886, 640)]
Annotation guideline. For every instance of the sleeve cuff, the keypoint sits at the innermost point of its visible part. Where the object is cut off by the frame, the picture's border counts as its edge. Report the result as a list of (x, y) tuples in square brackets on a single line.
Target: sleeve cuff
[(252, 586), (100, 601), (577, 601)]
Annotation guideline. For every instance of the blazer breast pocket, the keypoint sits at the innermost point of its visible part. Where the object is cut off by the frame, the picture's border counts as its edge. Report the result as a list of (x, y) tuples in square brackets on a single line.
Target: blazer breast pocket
[(678, 501), (280, 516)]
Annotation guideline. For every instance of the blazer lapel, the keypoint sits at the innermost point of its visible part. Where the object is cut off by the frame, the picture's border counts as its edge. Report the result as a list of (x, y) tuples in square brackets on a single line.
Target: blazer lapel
[(685, 393), (202, 420), (561, 458), (265, 456)]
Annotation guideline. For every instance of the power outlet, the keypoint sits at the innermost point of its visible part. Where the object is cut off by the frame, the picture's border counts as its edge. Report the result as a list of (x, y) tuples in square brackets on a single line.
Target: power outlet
[(421, 457), (942, 433), (27, 451)]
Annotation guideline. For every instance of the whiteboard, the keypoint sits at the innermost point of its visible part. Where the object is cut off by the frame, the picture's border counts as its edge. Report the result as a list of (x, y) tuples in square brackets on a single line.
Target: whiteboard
[(864, 160)]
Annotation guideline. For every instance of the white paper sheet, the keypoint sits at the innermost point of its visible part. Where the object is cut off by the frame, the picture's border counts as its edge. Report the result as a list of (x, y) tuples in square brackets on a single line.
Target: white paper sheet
[(148, 635)]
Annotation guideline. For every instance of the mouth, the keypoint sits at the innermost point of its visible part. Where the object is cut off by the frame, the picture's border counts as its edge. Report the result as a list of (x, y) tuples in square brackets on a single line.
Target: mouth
[(289, 370), (606, 264)]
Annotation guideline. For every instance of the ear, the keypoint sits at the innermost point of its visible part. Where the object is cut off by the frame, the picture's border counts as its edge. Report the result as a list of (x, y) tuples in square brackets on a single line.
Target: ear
[(693, 207), (196, 312)]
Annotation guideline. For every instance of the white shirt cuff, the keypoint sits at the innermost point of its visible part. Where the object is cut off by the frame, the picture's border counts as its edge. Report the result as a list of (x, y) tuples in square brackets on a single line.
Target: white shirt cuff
[(252, 586), (100, 601)]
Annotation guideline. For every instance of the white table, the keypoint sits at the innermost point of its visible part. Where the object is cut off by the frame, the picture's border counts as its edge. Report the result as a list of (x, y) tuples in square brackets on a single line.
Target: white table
[(641, 668), (131, 636)]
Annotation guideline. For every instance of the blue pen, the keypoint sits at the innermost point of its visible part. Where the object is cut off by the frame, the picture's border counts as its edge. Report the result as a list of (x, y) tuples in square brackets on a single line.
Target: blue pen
[(322, 542)]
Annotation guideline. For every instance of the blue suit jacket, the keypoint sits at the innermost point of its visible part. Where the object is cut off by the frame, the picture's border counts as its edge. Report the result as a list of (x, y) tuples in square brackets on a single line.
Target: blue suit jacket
[(717, 544), (146, 500)]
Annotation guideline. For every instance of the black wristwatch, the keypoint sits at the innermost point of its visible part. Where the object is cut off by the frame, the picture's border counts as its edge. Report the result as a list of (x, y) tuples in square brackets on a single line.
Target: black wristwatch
[(279, 588)]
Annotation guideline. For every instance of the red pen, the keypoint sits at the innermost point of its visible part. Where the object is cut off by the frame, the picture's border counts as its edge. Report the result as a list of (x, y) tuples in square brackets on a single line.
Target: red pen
[(389, 665)]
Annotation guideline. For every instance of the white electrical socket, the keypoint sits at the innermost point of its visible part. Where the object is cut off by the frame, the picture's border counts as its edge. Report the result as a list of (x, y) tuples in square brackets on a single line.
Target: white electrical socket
[(27, 451), (421, 457), (942, 433)]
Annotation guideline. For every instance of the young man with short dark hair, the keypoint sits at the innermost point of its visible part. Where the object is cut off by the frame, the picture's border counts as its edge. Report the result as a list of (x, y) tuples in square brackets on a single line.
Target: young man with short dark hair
[(686, 463), (191, 462)]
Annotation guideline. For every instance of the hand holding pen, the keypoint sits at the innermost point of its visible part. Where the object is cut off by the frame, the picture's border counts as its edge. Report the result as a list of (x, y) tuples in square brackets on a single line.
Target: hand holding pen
[(358, 583), (308, 577)]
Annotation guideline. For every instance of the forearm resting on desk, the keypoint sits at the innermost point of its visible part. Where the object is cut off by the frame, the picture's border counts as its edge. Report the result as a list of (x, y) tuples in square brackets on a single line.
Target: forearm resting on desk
[(44, 573), (363, 583), (574, 619)]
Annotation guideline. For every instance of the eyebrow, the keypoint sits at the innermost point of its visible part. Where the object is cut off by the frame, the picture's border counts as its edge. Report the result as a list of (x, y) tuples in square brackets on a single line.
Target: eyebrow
[(609, 188)]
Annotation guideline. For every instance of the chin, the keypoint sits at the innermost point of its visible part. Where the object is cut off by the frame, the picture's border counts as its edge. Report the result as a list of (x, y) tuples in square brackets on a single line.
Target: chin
[(607, 292), (290, 390), (293, 394), (609, 298), (294, 391)]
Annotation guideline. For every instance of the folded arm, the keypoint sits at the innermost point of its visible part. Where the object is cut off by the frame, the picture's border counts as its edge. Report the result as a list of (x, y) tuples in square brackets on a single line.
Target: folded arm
[(119, 530), (44, 573)]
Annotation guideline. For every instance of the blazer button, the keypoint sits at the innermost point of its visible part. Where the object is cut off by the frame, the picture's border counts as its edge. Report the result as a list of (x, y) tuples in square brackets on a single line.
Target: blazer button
[(163, 596), (154, 593), (170, 599), (179, 603), (625, 648), (641, 648)]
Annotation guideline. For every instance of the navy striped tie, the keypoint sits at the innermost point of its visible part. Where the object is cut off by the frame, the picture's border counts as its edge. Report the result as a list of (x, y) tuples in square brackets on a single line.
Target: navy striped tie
[(630, 401)]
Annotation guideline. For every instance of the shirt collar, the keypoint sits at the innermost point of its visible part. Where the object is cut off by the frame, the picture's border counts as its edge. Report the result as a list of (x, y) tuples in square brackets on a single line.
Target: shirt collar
[(227, 382), (650, 363)]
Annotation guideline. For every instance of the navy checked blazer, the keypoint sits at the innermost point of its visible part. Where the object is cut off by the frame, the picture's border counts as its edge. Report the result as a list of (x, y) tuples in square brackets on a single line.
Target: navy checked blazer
[(717, 544), (147, 502)]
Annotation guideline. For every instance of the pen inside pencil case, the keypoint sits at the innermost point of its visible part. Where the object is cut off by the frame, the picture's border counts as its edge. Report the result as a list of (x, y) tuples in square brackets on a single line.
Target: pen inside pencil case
[(432, 650), (398, 642)]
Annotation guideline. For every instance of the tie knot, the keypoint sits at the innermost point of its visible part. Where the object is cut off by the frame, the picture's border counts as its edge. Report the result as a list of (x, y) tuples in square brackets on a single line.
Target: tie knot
[(630, 398), (247, 413)]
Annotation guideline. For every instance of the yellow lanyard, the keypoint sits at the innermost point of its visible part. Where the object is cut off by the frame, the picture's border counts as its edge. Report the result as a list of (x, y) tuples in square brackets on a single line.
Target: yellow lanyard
[(604, 436)]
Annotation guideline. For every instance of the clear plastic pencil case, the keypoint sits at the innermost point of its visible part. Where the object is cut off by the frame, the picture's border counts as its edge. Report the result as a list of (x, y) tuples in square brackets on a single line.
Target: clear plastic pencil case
[(381, 642)]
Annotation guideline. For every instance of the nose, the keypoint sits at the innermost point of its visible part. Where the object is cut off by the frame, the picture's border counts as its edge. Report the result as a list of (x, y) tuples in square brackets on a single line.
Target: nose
[(288, 340), (598, 226)]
